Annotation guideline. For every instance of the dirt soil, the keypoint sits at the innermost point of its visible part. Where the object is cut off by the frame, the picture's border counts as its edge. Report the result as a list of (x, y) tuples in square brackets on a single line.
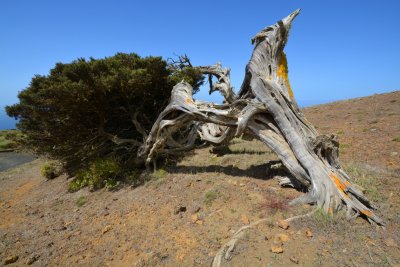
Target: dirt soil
[(188, 211)]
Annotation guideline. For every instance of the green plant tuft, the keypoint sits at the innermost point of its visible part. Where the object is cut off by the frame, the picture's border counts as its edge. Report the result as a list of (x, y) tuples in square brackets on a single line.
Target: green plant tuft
[(51, 170), (159, 174), (322, 218), (100, 173), (210, 196), (9, 139), (81, 201)]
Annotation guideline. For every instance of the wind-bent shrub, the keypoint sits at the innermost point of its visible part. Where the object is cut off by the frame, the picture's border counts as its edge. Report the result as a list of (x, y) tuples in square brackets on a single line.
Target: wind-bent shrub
[(97, 108)]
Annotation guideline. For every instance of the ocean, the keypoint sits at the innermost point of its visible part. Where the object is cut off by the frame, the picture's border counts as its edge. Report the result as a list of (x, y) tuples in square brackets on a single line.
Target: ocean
[(6, 122)]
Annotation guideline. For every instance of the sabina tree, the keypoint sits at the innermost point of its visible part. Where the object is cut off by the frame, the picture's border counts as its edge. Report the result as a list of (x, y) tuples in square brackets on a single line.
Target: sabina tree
[(97, 108)]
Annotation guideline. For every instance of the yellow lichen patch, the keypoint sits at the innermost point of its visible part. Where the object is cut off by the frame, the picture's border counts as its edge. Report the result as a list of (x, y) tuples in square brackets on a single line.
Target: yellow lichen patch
[(330, 211), (283, 73), (189, 101)]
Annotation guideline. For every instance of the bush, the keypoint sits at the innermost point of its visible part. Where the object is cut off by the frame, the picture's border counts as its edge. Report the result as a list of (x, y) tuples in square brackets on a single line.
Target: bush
[(97, 108), (51, 170), (100, 173), (9, 139)]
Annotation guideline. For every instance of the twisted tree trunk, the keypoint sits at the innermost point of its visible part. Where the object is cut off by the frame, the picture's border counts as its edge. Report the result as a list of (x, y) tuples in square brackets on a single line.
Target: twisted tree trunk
[(266, 109)]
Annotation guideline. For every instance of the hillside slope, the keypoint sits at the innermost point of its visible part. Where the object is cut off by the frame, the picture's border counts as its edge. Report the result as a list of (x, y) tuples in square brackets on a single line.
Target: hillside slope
[(189, 210)]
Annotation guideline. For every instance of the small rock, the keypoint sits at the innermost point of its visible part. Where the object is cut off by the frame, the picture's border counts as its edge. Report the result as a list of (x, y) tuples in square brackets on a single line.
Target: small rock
[(390, 242), (180, 209), (294, 260), (11, 259), (245, 219), (309, 234), (194, 218), (276, 249), (106, 229), (393, 154), (242, 184), (281, 237), (283, 224), (32, 259)]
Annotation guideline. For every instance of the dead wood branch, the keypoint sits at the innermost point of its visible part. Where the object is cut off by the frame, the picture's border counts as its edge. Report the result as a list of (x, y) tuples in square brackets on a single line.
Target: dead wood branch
[(265, 108)]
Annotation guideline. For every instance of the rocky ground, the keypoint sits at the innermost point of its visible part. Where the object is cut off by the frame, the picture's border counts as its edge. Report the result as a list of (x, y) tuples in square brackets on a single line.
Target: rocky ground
[(188, 211)]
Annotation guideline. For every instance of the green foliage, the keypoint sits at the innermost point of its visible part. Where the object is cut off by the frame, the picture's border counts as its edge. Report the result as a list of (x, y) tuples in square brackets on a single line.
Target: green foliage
[(51, 170), (100, 173), (81, 201), (111, 184), (73, 113), (366, 181), (133, 178), (210, 196), (158, 177), (9, 139), (396, 139), (159, 174)]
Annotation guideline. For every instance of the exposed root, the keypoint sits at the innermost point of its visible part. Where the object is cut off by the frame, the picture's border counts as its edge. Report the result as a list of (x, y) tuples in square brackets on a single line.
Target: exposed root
[(226, 251), (301, 216)]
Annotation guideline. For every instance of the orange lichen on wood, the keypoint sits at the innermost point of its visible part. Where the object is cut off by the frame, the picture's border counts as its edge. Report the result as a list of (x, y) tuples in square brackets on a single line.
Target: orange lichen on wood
[(367, 213), (189, 101), (283, 72), (339, 184)]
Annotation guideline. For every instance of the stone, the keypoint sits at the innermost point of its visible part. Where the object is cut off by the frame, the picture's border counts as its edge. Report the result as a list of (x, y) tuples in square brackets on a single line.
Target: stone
[(283, 224), (309, 234), (11, 259), (106, 229), (200, 222), (32, 259), (195, 218), (281, 237), (276, 249), (245, 219), (294, 260)]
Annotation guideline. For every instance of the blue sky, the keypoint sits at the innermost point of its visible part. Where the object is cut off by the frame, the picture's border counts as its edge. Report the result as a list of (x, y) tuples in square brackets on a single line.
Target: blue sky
[(336, 50)]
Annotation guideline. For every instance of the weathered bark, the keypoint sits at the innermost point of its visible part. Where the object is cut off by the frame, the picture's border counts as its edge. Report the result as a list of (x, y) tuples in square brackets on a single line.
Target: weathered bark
[(266, 109)]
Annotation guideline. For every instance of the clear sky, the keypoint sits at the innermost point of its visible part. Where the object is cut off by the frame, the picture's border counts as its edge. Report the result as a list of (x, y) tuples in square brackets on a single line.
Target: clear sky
[(336, 50)]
